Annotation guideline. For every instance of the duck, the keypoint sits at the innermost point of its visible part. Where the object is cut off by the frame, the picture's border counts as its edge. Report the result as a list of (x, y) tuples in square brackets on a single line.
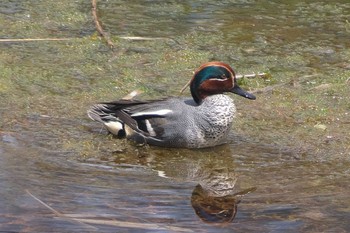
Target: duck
[(204, 120)]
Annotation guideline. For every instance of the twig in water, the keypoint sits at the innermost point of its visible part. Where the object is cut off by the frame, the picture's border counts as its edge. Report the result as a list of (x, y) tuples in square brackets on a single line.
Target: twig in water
[(132, 95), (34, 39), (98, 25), (143, 38), (58, 214), (85, 220), (44, 204), (137, 225), (261, 75), (186, 85)]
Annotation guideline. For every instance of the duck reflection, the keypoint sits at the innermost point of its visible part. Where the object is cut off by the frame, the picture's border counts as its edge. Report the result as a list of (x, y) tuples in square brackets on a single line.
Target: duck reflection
[(214, 199)]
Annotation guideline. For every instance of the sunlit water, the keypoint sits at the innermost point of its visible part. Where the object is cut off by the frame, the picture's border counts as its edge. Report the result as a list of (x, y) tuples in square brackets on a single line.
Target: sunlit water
[(245, 185)]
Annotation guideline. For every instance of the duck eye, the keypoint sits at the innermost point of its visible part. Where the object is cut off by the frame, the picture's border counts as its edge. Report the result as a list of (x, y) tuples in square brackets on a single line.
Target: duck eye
[(221, 77)]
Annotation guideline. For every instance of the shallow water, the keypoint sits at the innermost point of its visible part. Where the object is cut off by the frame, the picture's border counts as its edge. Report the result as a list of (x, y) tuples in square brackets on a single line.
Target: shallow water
[(285, 167)]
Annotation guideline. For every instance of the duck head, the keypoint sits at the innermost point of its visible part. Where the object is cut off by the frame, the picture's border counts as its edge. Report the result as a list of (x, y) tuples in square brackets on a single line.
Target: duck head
[(215, 78)]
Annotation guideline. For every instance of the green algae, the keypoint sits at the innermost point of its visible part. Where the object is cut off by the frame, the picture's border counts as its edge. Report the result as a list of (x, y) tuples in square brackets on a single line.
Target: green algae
[(303, 105), (71, 75), (302, 111)]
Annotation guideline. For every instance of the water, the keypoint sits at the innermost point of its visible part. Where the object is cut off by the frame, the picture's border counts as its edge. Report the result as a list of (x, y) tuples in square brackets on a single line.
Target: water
[(285, 168)]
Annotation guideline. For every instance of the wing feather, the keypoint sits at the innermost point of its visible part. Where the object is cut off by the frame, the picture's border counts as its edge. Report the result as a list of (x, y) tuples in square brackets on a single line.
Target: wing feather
[(146, 118)]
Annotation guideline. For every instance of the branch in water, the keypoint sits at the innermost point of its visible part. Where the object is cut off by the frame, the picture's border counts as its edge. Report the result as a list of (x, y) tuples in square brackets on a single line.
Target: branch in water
[(35, 39), (99, 28), (260, 75)]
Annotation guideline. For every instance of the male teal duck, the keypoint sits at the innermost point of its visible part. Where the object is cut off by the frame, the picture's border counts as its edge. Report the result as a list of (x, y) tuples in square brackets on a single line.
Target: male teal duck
[(203, 121)]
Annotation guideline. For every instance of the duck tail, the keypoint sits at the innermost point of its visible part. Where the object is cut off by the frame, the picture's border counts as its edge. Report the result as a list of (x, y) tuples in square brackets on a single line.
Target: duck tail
[(97, 113), (102, 113)]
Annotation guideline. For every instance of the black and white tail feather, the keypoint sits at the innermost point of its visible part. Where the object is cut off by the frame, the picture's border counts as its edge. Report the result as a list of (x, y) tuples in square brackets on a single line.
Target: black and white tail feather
[(132, 118)]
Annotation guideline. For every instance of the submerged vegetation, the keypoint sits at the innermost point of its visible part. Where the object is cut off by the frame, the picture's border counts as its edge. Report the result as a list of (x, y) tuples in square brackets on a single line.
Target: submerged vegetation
[(304, 102), (301, 114)]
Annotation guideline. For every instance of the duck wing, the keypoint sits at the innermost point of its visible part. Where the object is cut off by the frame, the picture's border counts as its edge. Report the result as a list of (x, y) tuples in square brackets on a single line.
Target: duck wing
[(145, 118)]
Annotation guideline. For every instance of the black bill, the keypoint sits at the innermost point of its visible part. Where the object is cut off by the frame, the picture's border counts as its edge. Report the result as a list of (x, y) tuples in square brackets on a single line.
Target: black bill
[(239, 91)]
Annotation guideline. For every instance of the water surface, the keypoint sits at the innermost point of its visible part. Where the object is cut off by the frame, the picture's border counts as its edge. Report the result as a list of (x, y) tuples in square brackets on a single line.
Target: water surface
[(284, 169)]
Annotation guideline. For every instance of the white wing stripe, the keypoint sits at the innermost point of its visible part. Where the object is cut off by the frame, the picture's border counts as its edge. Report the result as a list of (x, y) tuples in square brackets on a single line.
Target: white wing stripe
[(150, 128), (158, 112)]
